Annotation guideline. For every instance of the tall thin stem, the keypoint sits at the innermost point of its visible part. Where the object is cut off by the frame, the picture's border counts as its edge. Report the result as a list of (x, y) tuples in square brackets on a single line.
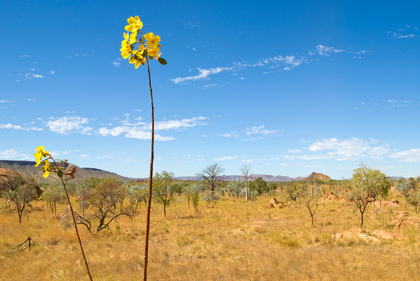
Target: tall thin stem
[(77, 231), (149, 202)]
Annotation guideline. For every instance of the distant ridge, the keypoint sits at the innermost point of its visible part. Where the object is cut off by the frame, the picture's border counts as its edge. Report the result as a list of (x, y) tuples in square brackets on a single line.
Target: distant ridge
[(268, 178), (28, 169)]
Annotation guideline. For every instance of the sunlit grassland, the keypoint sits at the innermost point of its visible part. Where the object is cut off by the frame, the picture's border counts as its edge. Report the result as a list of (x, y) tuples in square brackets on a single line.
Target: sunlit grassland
[(233, 241)]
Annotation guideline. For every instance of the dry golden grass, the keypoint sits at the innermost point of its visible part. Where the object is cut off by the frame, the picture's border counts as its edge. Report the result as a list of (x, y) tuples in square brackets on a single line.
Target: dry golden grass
[(234, 241)]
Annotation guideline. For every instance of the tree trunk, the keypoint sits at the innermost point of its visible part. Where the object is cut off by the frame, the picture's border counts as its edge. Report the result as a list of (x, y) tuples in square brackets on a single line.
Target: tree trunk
[(361, 219), (247, 191)]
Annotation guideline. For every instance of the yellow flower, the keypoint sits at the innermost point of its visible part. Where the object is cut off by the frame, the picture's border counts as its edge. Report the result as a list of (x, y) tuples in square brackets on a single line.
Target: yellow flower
[(154, 53), (137, 59), (46, 168), (152, 40), (133, 37), (134, 24), (125, 53), (39, 154)]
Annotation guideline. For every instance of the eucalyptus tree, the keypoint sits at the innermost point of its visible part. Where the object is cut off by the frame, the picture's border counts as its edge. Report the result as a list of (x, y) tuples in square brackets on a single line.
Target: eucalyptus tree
[(366, 185), (164, 188)]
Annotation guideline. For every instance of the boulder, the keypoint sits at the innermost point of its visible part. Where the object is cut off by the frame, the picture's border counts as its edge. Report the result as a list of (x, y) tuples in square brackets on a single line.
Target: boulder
[(387, 235), (331, 196), (356, 233), (399, 223), (393, 203), (400, 214), (273, 203)]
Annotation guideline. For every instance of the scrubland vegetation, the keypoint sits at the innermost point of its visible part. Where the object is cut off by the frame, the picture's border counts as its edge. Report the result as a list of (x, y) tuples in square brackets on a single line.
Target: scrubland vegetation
[(197, 235)]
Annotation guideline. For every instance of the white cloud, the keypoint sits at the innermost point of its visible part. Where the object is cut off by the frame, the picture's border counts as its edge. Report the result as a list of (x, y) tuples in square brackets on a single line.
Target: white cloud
[(65, 125), (226, 135), (259, 130), (117, 63), (409, 156), (360, 54), (52, 72), (183, 123), (11, 154), (5, 101), (286, 63), (294, 151), (141, 130), (10, 126), (403, 33), (341, 150), (224, 158), (326, 50), (114, 131), (203, 74)]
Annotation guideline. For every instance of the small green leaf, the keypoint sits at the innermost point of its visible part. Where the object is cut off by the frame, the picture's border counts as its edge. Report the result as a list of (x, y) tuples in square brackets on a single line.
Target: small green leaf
[(59, 173), (162, 61)]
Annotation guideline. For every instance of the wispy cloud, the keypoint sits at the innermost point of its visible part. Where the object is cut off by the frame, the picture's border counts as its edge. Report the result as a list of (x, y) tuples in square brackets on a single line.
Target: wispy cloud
[(18, 127), (325, 50), (79, 54), (10, 126), (203, 74), (12, 154), (359, 55), (5, 101), (396, 103), (408, 156), (256, 132), (341, 150), (68, 124), (283, 62), (31, 75), (224, 158), (259, 131), (141, 130), (117, 62), (403, 33), (132, 132)]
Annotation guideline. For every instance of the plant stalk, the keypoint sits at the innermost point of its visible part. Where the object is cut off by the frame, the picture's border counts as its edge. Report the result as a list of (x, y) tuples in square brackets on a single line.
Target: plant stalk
[(149, 202), (77, 231)]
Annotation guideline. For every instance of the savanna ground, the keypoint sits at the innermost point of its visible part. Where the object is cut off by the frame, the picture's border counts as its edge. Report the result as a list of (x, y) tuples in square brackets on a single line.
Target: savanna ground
[(233, 241)]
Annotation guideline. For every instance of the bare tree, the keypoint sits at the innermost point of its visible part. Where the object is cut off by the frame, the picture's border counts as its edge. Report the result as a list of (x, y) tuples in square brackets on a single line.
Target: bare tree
[(104, 198), (246, 172), (311, 195), (212, 174)]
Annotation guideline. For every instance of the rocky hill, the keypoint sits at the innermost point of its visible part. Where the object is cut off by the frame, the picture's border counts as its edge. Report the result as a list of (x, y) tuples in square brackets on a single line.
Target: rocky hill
[(28, 169), (318, 177)]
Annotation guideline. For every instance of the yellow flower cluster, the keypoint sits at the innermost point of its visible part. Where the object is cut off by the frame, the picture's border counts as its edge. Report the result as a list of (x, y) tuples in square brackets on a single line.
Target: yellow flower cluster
[(148, 46), (39, 155), (43, 157)]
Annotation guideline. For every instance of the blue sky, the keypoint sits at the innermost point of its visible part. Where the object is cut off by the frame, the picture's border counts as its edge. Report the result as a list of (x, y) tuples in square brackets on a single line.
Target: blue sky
[(287, 87)]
